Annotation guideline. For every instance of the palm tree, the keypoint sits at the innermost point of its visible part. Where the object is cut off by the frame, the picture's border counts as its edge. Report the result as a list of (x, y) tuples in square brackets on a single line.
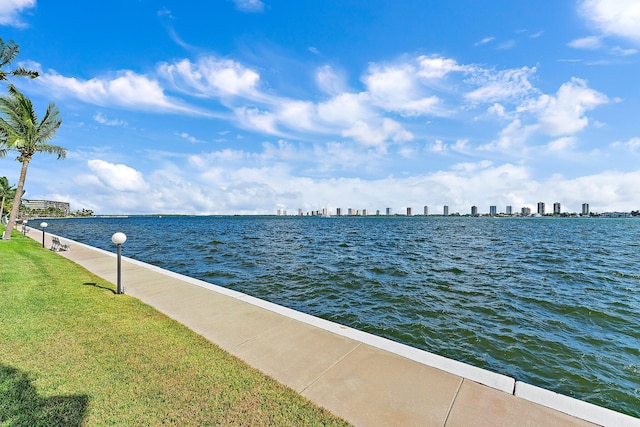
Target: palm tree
[(8, 52), (21, 131), (7, 192)]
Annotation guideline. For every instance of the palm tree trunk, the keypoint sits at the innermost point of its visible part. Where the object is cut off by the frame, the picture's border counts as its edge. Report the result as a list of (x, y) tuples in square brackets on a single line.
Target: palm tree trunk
[(17, 201), (2, 207)]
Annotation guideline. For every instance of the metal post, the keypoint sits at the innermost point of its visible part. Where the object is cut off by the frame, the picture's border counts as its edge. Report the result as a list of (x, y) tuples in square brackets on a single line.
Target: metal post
[(119, 288), (43, 225), (119, 239)]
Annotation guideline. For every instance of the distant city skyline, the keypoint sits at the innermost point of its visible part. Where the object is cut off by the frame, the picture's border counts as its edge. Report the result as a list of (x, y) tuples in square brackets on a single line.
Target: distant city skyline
[(472, 211)]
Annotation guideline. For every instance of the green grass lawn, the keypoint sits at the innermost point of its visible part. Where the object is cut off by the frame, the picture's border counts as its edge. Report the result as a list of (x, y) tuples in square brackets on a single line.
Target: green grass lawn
[(74, 353)]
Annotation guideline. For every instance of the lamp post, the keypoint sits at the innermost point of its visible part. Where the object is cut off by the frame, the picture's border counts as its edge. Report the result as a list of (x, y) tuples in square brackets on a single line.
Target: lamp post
[(119, 239), (24, 226), (43, 225)]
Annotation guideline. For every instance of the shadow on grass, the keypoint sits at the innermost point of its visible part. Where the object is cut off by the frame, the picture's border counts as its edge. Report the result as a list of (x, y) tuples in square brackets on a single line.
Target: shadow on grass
[(20, 405), (98, 286)]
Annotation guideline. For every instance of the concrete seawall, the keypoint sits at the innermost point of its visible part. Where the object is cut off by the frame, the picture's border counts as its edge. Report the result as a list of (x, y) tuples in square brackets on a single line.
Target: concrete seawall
[(366, 379)]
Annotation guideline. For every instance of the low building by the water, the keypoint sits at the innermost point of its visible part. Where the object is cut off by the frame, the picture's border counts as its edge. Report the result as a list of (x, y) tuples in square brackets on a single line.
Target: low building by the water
[(42, 206)]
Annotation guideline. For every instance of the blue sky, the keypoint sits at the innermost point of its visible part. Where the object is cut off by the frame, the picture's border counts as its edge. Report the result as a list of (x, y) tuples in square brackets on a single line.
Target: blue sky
[(250, 106)]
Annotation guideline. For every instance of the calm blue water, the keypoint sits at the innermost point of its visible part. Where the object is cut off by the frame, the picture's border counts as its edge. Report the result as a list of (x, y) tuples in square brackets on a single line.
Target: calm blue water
[(552, 302)]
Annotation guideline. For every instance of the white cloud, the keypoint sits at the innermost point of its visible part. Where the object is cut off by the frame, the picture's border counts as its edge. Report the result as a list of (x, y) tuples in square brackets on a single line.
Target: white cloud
[(128, 89), (604, 191), (502, 85), (347, 114), (614, 17), (512, 136), (377, 134), (438, 146), (165, 12), (360, 116), (210, 76), (102, 119), (437, 67), (300, 115), (404, 88), (190, 138), (564, 114), (284, 151), (460, 145), (618, 51), (10, 11), (373, 117), (484, 41), (256, 189), (208, 161), (633, 144), (394, 88), (231, 181), (566, 143), (588, 43), (497, 109), (255, 119), (117, 177), (469, 167), (506, 45), (249, 5), (330, 81)]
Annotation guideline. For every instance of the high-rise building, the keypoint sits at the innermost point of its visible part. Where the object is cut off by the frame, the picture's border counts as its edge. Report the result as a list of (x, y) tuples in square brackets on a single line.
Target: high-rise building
[(338, 211), (556, 208), (509, 210), (426, 210), (474, 210), (445, 210), (585, 209), (365, 212), (541, 208), (409, 212), (525, 211), (493, 210), (389, 211), (350, 211)]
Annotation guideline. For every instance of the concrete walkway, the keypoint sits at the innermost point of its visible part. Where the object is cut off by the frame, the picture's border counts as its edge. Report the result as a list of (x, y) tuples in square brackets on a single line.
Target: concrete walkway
[(367, 380)]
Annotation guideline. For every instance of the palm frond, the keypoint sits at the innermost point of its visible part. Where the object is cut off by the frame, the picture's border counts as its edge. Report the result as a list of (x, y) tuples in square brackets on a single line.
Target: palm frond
[(23, 72), (53, 149), (8, 52), (6, 133), (50, 123)]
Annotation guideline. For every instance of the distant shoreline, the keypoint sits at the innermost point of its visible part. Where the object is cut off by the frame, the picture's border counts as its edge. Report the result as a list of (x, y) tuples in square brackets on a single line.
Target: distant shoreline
[(454, 215)]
